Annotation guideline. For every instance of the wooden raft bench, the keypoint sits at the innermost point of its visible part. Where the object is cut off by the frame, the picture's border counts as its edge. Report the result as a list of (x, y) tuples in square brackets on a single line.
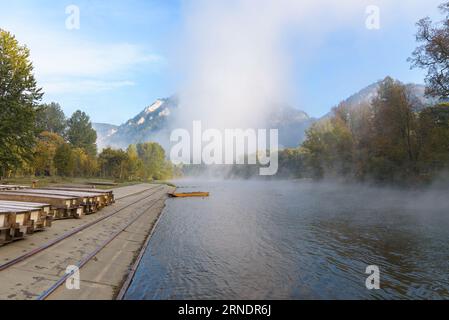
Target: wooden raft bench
[(41, 214), (10, 229), (63, 207)]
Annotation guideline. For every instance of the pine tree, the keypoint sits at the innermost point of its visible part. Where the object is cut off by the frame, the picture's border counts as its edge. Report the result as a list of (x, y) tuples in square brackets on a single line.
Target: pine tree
[(80, 133), (51, 118)]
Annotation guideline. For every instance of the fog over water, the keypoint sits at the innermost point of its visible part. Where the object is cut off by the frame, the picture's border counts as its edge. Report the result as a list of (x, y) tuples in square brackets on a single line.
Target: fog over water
[(297, 240)]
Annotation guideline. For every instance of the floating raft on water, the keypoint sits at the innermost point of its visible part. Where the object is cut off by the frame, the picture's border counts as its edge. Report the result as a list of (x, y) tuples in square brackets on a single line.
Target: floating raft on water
[(189, 194)]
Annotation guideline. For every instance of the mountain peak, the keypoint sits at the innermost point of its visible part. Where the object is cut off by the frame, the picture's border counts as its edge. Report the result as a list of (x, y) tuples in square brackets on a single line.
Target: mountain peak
[(153, 124), (367, 94), (156, 105)]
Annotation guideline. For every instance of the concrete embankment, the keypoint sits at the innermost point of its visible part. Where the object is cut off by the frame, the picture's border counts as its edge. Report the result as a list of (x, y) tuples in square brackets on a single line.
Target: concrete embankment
[(105, 250)]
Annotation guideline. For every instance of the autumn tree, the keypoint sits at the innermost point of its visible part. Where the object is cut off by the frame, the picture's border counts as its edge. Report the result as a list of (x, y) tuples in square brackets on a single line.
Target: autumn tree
[(84, 164), (134, 163), (388, 140), (64, 160), (329, 145), (394, 141), (113, 163), (433, 53), (44, 153), (433, 133)]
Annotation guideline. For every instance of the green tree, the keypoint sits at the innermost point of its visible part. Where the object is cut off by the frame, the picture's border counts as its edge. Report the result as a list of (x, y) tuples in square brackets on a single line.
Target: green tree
[(134, 164), (19, 96), (64, 160), (44, 153), (153, 159), (113, 163), (80, 133), (328, 149), (51, 118)]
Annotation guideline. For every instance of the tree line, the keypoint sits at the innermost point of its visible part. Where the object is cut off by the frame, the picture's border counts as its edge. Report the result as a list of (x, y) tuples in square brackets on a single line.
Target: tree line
[(387, 140), (38, 139), (390, 139)]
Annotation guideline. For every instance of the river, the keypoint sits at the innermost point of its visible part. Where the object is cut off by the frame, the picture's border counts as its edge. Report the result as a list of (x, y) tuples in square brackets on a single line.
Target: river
[(297, 240)]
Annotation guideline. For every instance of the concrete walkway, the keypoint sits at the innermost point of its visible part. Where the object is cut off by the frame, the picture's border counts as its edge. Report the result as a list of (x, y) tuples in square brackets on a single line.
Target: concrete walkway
[(103, 275)]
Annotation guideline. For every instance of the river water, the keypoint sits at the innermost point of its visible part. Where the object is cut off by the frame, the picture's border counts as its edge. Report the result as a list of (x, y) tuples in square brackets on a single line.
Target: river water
[(297, 240)]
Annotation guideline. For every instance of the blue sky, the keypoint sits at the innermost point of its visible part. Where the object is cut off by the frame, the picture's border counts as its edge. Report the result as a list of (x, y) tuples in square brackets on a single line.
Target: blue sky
[(121, 58)]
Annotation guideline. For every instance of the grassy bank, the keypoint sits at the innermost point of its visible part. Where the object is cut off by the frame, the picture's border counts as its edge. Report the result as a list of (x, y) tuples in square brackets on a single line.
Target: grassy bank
[(50, 181)]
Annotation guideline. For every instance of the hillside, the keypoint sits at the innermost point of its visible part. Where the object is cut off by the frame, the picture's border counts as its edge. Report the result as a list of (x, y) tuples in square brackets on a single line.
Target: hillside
[(154, 122), (367, 94)]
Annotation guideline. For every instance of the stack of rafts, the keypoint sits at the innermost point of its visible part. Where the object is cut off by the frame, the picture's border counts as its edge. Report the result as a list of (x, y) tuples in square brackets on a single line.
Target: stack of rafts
[(25, 211), (11, 187)]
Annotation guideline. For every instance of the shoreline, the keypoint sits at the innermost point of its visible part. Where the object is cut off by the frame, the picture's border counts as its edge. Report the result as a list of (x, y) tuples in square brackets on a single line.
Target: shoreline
[(126, 283)]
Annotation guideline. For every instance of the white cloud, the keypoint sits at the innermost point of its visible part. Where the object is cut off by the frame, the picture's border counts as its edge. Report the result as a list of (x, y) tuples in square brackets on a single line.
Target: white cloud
[(87, 59), (83, 86), (66, 62)]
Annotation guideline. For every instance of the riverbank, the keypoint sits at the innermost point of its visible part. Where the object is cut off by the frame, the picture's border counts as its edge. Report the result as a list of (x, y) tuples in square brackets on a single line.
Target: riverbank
[(105, 250), (55, 181)]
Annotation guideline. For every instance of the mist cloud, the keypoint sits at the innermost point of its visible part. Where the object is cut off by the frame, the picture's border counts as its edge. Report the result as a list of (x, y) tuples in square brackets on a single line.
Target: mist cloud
[(234, 55), (235, 60)]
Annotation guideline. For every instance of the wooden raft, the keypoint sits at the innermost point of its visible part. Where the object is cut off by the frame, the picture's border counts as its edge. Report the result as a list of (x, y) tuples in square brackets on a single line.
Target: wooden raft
[(189, 194), (25, 211)]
